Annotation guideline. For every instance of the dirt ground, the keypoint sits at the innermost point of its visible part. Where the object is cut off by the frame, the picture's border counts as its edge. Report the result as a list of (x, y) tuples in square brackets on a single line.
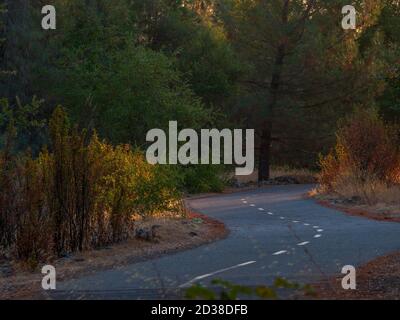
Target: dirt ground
[(377, 280), (172, 235)]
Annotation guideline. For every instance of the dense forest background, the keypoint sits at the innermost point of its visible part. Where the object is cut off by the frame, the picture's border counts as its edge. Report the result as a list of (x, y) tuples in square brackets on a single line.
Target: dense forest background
[(284, 68)]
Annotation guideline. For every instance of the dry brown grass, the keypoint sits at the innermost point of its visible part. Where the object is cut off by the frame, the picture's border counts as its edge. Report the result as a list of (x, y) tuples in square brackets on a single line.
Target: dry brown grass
[(363, 168), (372, 199), (370, 192), (366, 157)]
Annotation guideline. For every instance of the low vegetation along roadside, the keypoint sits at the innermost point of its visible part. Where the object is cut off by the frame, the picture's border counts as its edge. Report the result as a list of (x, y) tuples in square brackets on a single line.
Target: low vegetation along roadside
[(79, 194), (362, 173), (361, 176), (83, 205)]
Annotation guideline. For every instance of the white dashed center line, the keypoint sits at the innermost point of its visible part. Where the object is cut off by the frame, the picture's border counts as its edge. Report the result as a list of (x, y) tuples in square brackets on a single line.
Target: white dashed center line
[(279, 252), (318, 235), (303, 243), (189, 283)]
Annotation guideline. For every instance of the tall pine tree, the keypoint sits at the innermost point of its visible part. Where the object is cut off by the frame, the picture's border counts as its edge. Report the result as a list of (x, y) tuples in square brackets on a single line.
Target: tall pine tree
[(300, 63)]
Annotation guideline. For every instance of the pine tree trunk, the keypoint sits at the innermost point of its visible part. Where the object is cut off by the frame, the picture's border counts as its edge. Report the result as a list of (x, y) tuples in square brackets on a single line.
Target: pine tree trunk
[(266, 129), (265, 154)]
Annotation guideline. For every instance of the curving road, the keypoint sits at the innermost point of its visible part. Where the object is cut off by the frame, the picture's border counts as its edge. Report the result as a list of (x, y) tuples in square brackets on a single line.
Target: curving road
[(274, 232)]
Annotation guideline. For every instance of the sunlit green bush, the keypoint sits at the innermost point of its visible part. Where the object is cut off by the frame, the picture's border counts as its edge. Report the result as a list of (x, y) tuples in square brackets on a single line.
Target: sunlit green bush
[(204, 178), (78, 194)]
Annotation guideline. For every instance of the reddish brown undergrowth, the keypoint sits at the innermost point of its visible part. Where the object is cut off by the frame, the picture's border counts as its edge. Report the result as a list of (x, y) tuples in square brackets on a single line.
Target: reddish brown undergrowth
[(364, 166)]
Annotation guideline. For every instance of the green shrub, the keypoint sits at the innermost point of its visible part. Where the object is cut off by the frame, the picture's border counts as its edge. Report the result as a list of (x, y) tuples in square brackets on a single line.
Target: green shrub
[(204, 178), (80, 194)]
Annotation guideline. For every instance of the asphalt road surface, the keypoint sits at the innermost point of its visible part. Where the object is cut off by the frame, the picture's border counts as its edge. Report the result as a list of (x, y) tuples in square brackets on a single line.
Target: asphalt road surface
[(273, 232)]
